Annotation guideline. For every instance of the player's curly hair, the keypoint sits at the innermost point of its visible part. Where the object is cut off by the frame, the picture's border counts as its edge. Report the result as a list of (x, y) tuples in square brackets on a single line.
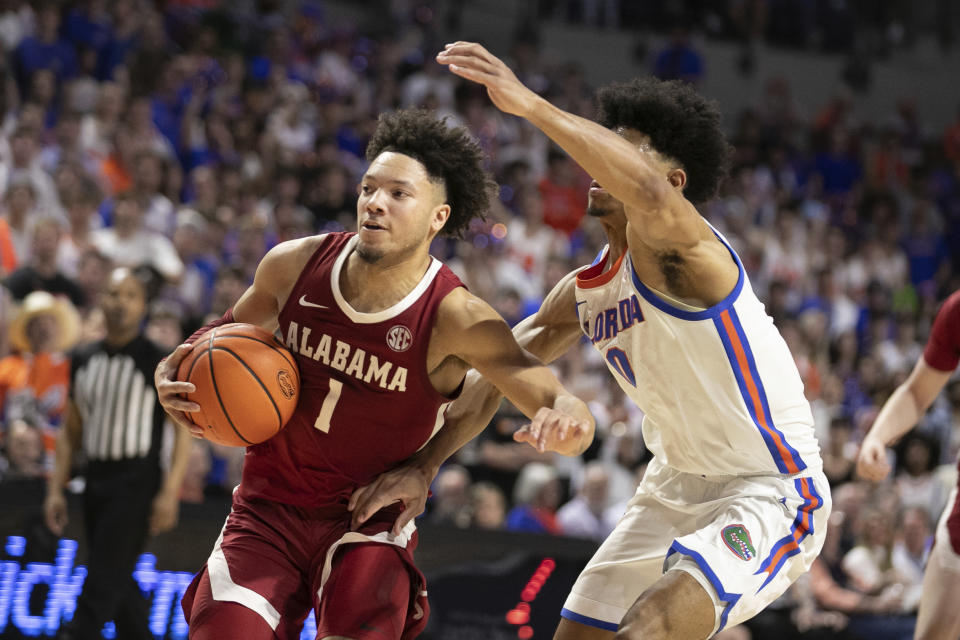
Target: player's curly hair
[(449, 155), (682, 125)]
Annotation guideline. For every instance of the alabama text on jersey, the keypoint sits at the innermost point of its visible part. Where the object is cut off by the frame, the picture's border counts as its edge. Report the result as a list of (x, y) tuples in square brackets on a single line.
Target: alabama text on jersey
[(366, 401)]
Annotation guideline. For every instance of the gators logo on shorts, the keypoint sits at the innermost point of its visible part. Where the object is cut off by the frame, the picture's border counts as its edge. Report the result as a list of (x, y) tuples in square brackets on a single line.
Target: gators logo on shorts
[(737, 539)]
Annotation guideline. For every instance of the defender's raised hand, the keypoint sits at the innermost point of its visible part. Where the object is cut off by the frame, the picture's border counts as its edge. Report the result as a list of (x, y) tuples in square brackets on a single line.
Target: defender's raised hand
[(471, 61)]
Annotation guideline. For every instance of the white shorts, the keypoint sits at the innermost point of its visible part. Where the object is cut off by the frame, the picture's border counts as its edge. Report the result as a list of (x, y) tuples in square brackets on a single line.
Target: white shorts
[(744, 539)]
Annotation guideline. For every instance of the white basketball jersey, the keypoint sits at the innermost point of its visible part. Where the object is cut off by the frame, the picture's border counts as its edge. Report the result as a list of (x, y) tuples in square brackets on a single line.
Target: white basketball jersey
[(719, 389)]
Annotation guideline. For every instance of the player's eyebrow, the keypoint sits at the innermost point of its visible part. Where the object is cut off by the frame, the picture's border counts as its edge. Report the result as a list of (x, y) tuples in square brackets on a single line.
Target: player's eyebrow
[(390, 181)]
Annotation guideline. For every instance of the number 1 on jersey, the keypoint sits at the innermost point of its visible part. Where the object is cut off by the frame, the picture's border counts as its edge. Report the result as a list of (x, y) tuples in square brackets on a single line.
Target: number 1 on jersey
[(329, 404)]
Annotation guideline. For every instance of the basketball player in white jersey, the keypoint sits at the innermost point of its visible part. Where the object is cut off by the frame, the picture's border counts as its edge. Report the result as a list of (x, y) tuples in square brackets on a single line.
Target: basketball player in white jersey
[(734, 506)]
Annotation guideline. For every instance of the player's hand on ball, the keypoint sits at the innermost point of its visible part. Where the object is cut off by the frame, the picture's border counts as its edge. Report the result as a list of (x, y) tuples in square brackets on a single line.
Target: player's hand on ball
[(471, 61), (555, 430), (406, 484), (872, 461), (169, 390)]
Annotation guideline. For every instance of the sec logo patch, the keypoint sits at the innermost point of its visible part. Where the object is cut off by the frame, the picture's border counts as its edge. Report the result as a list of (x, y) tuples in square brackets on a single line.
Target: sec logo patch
[(399, 338)]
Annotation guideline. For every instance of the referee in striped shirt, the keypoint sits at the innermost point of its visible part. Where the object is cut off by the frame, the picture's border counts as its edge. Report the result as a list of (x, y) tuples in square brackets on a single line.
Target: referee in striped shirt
[(114, 417)]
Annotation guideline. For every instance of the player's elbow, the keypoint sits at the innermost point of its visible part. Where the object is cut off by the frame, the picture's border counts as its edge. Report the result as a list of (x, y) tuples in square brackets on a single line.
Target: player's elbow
[(650, 193)]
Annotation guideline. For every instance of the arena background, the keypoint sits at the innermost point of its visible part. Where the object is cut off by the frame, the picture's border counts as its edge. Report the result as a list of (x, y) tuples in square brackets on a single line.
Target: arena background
[(844, 202)]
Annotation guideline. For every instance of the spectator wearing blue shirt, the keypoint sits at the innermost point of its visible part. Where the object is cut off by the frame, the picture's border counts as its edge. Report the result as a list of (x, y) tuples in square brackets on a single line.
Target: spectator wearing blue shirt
[(536, 496), (839, 166), (89, 26), (679, 60), (926, 250), (45, 50)]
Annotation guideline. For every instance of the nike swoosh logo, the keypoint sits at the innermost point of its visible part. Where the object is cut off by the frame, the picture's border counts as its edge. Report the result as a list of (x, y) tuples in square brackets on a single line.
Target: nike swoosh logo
[(303, 302)]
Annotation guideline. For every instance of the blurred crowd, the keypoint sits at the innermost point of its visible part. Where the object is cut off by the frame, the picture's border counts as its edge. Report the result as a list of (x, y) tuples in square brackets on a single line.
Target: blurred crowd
[(863, 31), (831, 26), (188, 139)]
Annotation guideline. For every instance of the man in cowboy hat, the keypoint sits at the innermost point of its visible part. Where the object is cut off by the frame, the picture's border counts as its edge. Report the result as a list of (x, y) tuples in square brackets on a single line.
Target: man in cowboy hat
[(36, 377)]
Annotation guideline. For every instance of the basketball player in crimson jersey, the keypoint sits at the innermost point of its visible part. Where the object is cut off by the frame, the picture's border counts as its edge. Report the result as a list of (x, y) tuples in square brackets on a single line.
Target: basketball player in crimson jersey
[(939, 616), (383, 335), (734, 505)]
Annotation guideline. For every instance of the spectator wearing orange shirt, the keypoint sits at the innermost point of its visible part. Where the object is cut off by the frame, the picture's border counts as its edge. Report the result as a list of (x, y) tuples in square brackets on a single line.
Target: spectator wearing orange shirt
[(564, 193), (8, 254), (35, 379)]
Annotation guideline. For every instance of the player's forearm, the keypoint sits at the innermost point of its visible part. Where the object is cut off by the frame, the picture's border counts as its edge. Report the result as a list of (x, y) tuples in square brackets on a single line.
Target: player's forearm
[(899, 415), (536, 388), (908, 402), (464, 420), (609, 159), (547, 339)]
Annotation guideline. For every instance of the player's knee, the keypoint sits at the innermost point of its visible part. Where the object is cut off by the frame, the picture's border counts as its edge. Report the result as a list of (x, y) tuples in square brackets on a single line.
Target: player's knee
[(645, 620), (228, 620), (674, 608)]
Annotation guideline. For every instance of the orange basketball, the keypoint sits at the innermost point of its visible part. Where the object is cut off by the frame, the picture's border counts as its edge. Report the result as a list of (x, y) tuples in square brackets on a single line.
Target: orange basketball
[(247, 384)]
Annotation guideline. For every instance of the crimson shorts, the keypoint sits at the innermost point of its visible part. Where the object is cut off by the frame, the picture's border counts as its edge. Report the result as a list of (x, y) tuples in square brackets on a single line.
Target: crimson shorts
[(281, 561)]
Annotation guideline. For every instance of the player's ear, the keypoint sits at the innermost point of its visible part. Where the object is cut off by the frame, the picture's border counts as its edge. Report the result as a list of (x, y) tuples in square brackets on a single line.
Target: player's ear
[(439, 216), (677, 178)]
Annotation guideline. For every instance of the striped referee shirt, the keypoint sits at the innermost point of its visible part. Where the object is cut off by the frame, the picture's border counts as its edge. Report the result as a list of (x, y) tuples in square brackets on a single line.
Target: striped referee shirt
[(113, 390)]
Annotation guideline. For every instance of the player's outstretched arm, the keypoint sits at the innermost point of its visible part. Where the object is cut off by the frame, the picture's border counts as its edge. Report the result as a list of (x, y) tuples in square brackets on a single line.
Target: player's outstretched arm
[(903, 409), (651, 199), (547, 334), (259, 305), (469, 329)]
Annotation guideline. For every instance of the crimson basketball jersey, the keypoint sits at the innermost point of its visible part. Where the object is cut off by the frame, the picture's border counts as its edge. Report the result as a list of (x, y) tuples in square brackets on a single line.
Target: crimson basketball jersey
[(366, 402), (943, 348)]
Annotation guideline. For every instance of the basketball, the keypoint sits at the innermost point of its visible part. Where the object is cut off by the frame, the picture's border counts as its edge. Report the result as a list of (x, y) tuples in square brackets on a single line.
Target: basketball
[(247, 384)]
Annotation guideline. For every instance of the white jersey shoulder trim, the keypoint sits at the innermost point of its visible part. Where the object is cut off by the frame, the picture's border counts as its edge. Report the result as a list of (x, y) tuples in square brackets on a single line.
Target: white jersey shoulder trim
[(685, 314), (380, 316)]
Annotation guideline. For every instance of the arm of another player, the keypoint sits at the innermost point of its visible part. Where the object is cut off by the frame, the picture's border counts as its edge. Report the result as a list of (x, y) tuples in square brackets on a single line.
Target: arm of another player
[(68, 441), (409, 482), (259, 305), (472, 331), (547, 334), (903, 409), (651, 200)]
